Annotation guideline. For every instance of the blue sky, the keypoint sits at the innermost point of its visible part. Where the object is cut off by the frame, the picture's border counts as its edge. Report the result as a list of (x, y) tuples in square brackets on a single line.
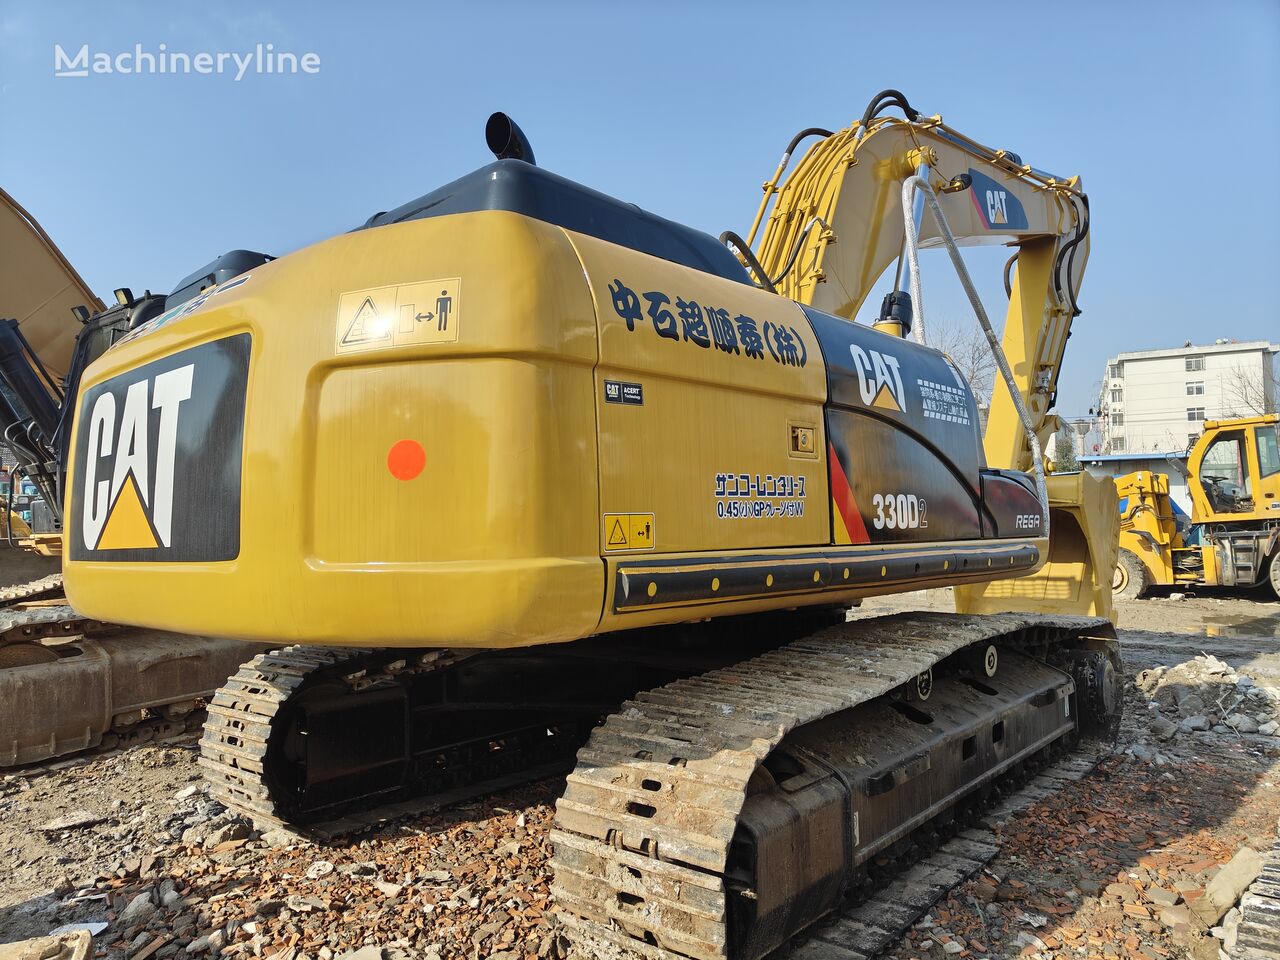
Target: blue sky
[(1171, 114)]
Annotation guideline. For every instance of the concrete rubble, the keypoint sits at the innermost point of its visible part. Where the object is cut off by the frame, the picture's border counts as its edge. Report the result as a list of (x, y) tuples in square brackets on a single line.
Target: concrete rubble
[(1207, 694)]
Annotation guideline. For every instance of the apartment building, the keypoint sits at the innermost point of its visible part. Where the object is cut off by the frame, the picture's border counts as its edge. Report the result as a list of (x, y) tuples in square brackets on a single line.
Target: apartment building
[(1155, 401)]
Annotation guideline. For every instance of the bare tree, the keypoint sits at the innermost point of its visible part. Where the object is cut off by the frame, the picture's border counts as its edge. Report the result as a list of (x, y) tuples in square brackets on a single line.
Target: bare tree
[(965, 343), (1244, 392)]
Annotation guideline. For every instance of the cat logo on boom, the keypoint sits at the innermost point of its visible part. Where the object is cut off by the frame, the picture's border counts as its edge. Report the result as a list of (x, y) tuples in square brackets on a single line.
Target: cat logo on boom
[(879, 378), (997, 207), (154, 440)]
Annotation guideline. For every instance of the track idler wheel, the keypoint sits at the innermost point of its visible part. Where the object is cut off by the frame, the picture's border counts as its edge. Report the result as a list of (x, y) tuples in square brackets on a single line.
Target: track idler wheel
[(1099, 691)]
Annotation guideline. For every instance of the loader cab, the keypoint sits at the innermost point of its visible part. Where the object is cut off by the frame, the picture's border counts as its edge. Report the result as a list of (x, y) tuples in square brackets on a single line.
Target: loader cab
[(1224, 473), (1236, 470)]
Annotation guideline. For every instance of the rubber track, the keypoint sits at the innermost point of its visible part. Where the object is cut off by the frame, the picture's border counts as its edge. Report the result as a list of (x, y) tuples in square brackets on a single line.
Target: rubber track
[(701, 739)]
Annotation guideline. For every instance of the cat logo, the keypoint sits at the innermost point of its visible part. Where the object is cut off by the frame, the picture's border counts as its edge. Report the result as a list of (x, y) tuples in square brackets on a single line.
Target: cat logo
[(131, 508), (157, 459), (879, 378), (997, 207)]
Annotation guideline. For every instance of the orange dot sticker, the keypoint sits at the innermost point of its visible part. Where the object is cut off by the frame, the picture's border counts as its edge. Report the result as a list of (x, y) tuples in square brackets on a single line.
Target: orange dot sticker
[(405, 459)]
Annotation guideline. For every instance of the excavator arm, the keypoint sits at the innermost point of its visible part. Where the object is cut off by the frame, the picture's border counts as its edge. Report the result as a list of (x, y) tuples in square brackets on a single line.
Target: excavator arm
[(831, 229)]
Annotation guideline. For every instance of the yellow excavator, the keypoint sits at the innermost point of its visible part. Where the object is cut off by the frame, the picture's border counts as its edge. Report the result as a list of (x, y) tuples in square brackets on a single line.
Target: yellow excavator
[(1233, 538), (69, 682), (620, 482)]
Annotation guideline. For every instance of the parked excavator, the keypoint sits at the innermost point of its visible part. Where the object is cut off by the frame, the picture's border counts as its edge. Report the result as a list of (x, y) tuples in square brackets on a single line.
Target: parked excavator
[(1233, 539), (69, 682), (611, 467)]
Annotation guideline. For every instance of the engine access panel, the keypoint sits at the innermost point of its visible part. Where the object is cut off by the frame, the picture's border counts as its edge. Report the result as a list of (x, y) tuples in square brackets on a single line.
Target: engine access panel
[(905, 445)]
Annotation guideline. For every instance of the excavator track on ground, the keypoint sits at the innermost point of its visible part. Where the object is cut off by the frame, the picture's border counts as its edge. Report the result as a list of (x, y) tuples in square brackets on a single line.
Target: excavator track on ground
[(50, 586), (719, 815), (289, 738), (714, 816)]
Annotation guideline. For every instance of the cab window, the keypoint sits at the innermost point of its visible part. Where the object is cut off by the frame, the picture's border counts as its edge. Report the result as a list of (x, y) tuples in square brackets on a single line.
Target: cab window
[(1224, 474), (1269, 450)]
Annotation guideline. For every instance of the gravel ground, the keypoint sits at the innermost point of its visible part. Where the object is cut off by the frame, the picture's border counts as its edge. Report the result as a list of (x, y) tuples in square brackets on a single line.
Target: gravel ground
[(1114, 866)]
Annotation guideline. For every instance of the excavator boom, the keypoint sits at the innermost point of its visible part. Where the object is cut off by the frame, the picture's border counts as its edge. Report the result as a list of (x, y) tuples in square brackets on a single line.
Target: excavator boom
[(835, 226)]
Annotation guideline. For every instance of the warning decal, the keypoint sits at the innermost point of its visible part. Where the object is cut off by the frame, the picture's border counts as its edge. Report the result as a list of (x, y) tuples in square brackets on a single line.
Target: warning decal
[(366, 326), (400, 315), (628, 531)]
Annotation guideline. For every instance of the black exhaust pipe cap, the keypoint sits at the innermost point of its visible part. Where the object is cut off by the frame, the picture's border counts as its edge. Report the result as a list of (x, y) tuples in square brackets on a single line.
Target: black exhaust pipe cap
[(507, 140)]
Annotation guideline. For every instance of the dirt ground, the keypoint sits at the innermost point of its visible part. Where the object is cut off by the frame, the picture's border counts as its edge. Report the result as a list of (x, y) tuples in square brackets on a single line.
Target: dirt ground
[(1113, 866)]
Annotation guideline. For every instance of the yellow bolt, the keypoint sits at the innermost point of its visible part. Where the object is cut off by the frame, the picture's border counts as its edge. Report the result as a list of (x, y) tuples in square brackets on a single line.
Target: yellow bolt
[(768, 581), (715, 584), (653, 588)]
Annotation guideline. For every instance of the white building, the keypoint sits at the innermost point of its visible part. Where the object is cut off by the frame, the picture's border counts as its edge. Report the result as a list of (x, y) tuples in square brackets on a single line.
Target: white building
[(1155, 401)]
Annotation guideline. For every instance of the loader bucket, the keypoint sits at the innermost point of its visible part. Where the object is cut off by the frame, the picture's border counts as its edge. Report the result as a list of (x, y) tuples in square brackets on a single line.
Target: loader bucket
[(1084, 528)]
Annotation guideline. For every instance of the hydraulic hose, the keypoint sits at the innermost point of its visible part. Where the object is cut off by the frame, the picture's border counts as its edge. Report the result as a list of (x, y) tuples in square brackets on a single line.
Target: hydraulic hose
[(806, 132), (731, 239), (1008, 275), (886, 98), (772, 186), (795, 251)]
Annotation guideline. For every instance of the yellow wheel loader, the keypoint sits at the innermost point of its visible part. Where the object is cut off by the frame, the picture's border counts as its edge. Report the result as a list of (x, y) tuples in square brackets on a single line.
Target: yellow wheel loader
[(621, 481), (68, 681), (1233, 540)]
